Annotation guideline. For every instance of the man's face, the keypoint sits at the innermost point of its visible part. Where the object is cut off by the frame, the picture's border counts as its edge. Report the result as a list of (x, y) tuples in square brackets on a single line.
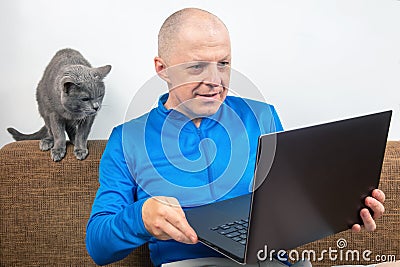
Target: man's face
[(199, 71)]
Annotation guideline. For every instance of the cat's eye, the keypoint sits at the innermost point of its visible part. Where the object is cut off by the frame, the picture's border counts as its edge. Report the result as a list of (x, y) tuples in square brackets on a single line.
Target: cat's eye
[(85, 99)]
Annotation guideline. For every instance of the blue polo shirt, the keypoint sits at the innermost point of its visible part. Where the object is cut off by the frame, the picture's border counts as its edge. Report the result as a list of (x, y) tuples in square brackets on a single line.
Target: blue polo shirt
[(163, 153)]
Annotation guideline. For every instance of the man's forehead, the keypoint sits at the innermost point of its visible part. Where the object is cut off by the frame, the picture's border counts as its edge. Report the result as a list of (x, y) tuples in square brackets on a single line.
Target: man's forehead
[(201, 46), (196, 54)]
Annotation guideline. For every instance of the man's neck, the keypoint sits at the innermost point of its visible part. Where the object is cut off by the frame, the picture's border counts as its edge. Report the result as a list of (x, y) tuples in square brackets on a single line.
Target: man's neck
[(196, 121)]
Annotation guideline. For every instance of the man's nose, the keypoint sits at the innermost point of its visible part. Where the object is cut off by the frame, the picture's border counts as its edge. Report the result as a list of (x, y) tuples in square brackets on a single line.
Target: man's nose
[(214, 77)]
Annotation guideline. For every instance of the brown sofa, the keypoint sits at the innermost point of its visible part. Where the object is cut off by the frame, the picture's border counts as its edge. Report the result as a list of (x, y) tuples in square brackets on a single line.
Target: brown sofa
[(45, 206)]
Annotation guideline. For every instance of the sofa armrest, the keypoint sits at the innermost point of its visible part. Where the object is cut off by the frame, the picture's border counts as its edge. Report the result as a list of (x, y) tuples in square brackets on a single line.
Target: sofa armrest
[(45, 206)]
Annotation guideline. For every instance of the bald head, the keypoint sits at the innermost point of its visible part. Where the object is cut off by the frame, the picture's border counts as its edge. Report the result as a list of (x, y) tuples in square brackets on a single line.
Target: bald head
[(189, 19)]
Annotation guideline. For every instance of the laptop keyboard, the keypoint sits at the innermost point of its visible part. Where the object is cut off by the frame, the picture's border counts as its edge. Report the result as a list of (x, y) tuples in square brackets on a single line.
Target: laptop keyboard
[(237, 230)]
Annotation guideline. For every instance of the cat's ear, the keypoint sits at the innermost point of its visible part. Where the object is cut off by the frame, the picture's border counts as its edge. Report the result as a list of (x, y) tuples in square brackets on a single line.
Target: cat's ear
[(103, 71), (68, 84)]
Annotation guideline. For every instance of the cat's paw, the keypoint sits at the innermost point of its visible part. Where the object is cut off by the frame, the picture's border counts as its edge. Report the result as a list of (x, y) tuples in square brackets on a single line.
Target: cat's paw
[(81, 154), (57, 154), (46, 144)]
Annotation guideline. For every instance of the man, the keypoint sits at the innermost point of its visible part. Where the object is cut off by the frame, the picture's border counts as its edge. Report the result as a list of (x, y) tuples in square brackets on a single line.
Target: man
[(175, 155)]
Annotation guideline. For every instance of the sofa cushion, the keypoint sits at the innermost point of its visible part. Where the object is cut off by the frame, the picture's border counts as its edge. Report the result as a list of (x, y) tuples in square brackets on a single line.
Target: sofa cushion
[(45, 206)]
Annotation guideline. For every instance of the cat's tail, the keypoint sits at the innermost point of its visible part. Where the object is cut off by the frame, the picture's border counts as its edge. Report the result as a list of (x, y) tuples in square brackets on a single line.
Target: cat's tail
[(42, 133)]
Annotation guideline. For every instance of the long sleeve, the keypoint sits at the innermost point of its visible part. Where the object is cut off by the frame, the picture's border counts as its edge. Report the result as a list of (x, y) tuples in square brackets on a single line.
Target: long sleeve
[(115, 226), (275, 125)]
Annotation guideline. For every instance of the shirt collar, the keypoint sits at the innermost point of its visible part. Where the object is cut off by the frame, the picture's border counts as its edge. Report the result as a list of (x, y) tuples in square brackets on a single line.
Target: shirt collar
[(179, 117)]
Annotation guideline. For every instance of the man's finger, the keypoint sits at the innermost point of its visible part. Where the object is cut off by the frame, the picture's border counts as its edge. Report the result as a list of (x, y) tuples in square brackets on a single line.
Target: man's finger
[(356, 228), (369, 222), (376, 206), (178, 220), (379, 195), (175, 216), (176, 234)]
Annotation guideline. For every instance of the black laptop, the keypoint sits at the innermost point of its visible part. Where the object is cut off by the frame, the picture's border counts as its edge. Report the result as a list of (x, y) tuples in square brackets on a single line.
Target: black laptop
[(313, 185)]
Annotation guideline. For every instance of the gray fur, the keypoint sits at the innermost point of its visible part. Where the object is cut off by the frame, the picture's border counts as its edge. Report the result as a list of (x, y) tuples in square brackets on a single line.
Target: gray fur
[(69, 95)]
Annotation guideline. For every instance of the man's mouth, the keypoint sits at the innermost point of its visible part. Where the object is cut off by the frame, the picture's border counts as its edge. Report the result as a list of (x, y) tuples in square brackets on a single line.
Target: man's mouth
[(214, 95)]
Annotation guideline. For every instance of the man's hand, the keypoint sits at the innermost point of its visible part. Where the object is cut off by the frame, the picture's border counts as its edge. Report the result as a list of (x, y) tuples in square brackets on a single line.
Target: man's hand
[(164, 218), (375, 202)]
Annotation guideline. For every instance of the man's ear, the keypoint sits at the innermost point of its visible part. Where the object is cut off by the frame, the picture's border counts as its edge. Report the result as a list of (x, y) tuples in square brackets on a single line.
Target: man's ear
[(161, 69)]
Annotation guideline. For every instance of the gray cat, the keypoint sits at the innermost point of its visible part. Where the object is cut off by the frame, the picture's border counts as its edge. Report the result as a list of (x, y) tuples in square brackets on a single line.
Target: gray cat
[(69, 95)]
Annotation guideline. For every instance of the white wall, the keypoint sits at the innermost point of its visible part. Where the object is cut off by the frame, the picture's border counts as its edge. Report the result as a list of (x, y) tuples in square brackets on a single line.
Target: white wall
[(315, 60)]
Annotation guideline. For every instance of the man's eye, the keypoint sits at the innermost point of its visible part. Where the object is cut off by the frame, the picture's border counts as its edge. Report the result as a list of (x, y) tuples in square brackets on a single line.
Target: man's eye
[(197, 67), (223, 64)]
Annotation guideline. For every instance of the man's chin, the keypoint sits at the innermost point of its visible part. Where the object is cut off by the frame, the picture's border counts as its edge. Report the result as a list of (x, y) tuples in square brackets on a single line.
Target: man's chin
[(205, 112), (198, 110)]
